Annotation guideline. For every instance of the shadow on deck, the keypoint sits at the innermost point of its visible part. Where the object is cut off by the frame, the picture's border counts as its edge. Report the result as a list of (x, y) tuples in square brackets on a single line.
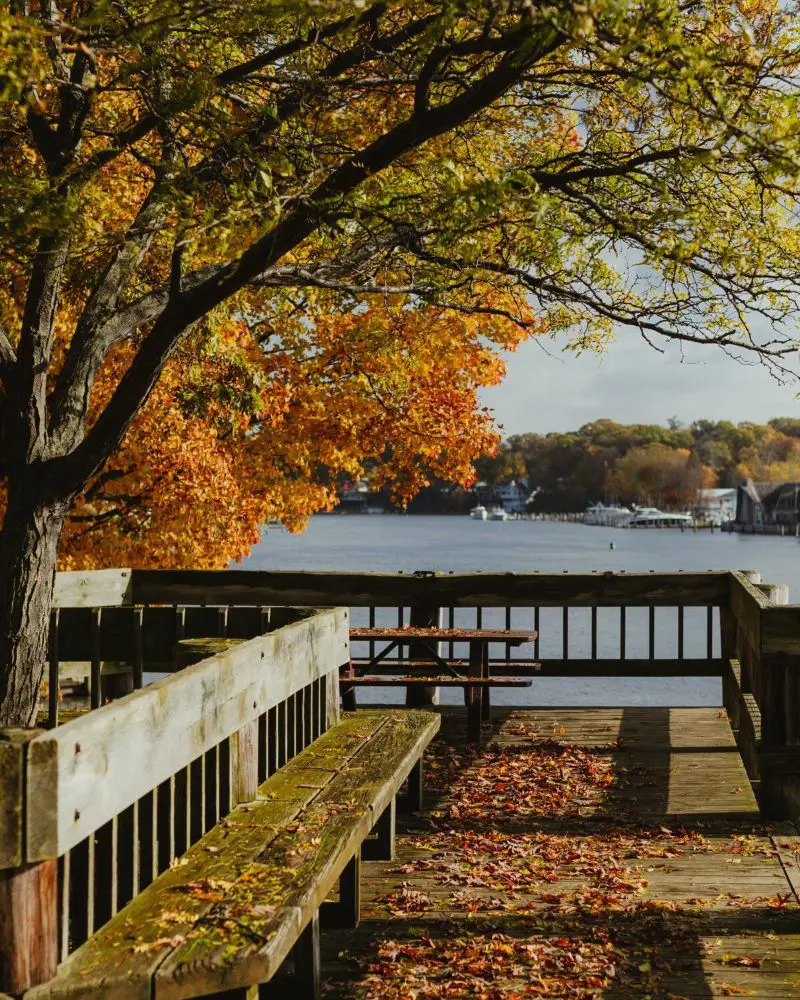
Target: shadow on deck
[(586, 853)]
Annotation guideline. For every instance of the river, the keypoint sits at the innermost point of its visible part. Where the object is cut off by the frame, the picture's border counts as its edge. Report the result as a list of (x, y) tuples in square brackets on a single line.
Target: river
[(393, 543)]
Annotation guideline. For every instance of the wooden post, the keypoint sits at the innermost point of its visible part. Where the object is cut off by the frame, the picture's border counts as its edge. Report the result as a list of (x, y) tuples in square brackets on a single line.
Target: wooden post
[(382, 848), (423, 616), (475, 693), (414, 800), (244, 764), (350, 893), (780, 723), (28, 925), (28, 892)]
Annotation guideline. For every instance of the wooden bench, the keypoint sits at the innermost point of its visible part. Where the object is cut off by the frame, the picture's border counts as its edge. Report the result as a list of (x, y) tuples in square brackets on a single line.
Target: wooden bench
[(248, 894)]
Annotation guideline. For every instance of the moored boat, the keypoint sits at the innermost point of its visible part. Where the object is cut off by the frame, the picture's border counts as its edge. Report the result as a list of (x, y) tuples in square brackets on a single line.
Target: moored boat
[(608, 515)]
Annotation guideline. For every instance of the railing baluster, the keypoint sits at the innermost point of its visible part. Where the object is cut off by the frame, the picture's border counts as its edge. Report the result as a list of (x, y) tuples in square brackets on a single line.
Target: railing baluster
[(509, 647), (210, 789), (64, 880), (536, 630), (308, 714), (651, 632), (565, 633), (593, 628), (709, 632), (53, 679), (164, 828), (451, 623), (681, 611), (126, 847), (263, 748), (272, 736), (95, 696), (282, 738), (371, 625), (197, 797), (181, 809), (81, 899), (224, 796), (622, 632), (138, 648), (114, 886), (148, 839)]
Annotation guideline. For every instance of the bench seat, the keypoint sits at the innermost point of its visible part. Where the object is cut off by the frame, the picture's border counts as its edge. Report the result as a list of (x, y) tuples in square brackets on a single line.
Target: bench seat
[(227, 915)]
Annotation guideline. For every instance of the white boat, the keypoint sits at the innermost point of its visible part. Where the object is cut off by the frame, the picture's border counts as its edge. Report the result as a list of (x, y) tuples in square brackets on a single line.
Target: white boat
[(609, 515), (652, 517), (498, 514), (479, 513)]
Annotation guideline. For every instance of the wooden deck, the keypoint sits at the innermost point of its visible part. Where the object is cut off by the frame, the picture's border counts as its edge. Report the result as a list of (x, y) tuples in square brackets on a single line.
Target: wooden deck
[(581, 853)]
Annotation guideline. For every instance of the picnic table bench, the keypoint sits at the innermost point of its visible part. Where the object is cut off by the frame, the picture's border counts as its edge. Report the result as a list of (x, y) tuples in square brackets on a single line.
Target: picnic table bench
[(439, 671), (250, 893)]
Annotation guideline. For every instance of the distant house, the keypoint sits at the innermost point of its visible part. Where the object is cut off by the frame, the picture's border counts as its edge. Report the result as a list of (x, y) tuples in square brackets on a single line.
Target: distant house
[(353, 496), (717, 506), (513, 496), (765, 506)]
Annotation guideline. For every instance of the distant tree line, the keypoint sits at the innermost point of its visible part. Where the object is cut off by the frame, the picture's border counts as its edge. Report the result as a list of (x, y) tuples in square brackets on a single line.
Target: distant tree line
[(644, 463)]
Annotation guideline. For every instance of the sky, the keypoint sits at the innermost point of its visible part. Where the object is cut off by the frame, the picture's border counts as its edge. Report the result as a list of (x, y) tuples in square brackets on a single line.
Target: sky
[(632, 383)]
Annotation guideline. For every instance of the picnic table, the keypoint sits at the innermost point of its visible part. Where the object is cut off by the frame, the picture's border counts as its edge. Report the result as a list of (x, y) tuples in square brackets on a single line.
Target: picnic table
[(474, 676)]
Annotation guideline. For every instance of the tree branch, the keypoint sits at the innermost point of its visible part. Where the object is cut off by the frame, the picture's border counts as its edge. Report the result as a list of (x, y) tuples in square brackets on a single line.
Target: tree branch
[(183, 311)]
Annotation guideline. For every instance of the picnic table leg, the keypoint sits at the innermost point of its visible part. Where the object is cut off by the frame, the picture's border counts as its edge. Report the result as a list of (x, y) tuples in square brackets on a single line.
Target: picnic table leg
[(348, 693), (486, 707), (474, 693)]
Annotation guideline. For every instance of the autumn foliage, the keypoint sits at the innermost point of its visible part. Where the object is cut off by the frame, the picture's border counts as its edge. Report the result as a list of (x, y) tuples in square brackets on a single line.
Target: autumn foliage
[(316, 223)]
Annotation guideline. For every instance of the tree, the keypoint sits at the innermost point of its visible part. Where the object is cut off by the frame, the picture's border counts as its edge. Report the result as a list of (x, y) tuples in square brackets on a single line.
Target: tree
[(167, 167), (660, 476)]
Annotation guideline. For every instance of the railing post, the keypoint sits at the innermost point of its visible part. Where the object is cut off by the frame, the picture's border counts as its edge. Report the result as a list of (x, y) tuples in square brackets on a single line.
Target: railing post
[(28, 892), (780, 719), (423, 616), (244, 764)]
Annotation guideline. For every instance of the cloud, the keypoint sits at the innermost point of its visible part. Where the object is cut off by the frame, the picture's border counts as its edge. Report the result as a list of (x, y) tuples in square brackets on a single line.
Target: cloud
[(632, 383)]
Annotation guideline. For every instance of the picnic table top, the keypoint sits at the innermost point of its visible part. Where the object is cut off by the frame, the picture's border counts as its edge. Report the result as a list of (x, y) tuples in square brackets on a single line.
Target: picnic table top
[(400, 633)]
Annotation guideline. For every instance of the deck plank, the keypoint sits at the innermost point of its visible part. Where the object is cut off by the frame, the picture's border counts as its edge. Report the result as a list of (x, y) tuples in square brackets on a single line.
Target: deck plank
[(726, 915)]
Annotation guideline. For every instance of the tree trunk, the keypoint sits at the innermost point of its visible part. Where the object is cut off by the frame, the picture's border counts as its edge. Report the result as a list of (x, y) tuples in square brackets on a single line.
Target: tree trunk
[(28, 550)]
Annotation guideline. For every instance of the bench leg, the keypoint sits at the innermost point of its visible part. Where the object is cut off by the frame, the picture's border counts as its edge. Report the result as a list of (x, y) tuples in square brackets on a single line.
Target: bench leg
[(349, 699), (413, 801), (307, 978), (347, 912), (382, 848)]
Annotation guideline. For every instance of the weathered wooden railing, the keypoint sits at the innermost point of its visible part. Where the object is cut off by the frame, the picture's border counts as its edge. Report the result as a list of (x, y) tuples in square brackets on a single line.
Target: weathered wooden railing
[(717, 623), (590, 624), (93, 810)]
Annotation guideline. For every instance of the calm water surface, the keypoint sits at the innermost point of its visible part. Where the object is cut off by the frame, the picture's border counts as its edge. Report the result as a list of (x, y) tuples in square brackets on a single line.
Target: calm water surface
[(392, 543)]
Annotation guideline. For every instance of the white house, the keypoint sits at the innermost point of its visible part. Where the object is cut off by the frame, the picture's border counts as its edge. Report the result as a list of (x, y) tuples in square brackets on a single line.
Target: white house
[(717, 506)]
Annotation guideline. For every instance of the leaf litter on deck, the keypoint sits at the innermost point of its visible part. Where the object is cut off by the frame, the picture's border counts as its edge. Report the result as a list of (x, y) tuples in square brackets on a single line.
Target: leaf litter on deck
[(529, 912)]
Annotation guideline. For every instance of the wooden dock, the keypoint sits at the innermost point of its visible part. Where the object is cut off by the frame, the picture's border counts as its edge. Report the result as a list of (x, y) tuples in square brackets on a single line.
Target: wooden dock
[(587, 853), (577, 854)]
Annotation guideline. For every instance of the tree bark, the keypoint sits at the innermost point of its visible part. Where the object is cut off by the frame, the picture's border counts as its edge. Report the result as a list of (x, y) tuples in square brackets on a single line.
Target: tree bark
[(28, 550)]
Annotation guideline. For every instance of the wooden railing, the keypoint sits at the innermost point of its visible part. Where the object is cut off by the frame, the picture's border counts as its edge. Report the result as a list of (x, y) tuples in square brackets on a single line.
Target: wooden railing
[(94, 810), (91, 811), (717, 623), (590, 624), (761, 690)]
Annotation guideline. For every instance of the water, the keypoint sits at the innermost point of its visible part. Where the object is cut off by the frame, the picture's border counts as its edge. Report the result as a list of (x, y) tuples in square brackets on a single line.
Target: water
[(395, 543)]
